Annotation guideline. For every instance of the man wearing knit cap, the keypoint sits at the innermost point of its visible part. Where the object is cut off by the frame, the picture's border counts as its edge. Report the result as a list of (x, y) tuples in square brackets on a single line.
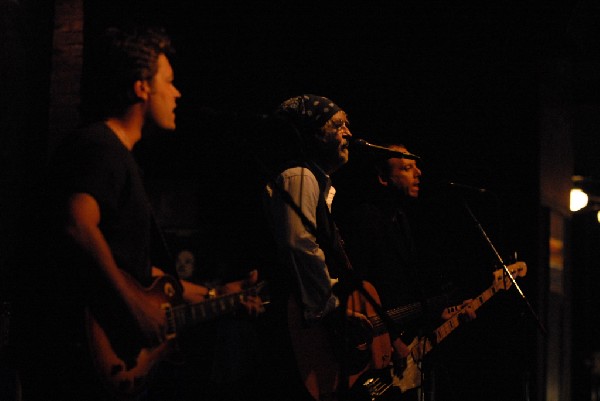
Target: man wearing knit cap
[(298, 205)]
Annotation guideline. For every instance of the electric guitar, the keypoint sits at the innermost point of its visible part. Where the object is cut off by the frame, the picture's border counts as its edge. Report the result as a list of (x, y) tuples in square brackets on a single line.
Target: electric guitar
[(409, 376), (367, 356), (320, 349), (120, 354)]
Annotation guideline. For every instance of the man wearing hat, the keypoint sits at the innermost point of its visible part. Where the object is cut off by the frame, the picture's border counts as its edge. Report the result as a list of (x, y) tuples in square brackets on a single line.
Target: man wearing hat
[(298, 207)]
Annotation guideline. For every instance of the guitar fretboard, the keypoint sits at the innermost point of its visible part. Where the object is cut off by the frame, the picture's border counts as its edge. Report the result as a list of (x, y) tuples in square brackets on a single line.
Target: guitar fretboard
[(402, 314), (186, 315), (452, 324), (501, 282)]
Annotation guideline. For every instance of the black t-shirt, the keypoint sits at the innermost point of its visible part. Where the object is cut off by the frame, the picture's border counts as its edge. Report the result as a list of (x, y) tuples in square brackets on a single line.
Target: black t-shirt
[(385, 245), (52, 329), (95, 162), (380, 245)]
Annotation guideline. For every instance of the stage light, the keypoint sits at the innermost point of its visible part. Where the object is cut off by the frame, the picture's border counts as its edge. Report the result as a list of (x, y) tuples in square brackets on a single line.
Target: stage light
[(579, 199)]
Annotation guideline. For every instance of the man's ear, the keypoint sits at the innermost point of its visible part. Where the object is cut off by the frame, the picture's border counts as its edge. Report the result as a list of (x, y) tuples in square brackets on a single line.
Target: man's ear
[(383, 181), (141, 89)]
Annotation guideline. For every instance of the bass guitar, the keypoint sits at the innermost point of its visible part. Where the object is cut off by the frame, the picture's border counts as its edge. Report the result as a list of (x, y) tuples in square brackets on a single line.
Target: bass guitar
[(409, 375), (364, 348), (321, 348), (122, 357)]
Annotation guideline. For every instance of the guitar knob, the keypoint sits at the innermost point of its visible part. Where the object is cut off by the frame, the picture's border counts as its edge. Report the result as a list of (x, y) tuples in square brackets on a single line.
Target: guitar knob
[(169, 290)]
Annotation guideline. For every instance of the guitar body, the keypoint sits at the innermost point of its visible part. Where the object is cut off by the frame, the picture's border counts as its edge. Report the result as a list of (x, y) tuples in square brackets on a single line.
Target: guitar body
[(314, 353), (381, 346), (121, 355), (319, 349), (410, 375), (127, 371)]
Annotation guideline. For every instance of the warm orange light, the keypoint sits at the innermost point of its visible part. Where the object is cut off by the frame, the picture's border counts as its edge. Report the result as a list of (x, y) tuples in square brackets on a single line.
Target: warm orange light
[(579, 199)]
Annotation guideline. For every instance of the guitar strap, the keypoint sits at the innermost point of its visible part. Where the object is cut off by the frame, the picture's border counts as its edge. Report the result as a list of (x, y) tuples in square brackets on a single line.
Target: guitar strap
[(334, 246)]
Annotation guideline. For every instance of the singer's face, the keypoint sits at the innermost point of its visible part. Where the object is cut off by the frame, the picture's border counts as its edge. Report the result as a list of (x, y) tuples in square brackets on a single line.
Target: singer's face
[(334, 137), (163, 96), (403, 174)]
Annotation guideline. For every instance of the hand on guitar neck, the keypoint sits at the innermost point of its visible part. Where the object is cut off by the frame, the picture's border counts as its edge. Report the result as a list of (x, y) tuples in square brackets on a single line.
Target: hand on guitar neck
[(468, 315), (194, 293), (252, 304), (401, 350)]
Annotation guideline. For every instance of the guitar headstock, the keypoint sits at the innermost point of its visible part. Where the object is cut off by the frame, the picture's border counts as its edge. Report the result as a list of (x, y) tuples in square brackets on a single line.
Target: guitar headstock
[(502, 281)]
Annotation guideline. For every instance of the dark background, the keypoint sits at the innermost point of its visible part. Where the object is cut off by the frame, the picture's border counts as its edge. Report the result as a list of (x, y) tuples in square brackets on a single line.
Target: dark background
[(460, 82)]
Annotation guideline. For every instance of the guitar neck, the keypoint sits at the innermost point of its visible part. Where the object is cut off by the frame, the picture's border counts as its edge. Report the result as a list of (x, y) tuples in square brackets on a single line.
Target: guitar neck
[(398, 315), (501, 282), (190, 314), (452, 324), (403, 313)]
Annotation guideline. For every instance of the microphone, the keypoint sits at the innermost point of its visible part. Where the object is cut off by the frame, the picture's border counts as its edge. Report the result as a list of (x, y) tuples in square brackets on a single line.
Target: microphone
[(391, 152), (466, 187)]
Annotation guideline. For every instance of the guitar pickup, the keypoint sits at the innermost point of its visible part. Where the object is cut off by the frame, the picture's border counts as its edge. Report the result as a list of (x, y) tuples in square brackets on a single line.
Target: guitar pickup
[(171, 326)]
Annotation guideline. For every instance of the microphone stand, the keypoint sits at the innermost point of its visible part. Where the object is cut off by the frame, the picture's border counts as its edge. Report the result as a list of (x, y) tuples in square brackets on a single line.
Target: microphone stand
[(506, 271)]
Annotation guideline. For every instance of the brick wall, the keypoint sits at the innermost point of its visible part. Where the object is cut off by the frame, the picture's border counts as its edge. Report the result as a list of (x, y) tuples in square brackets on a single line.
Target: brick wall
[(67, 61)]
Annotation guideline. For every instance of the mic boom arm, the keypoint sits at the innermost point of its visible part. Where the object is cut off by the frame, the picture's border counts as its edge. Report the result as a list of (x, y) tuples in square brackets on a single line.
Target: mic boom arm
[(390, 152)]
